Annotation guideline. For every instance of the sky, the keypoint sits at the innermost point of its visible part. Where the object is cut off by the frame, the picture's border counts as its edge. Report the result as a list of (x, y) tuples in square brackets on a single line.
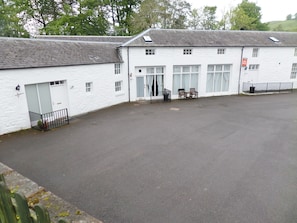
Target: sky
[(271, 10)]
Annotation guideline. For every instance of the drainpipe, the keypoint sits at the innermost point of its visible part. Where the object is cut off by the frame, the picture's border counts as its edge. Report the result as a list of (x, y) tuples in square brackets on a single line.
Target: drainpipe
[(128, 63), (240, 69)]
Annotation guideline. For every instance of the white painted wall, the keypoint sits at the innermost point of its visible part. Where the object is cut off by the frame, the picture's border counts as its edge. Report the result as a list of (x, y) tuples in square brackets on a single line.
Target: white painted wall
[(14, 110), (275, 65), (168, 57)]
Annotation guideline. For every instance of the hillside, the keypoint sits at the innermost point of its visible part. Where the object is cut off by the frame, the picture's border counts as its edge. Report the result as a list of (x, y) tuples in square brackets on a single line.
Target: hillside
[(288, 25)]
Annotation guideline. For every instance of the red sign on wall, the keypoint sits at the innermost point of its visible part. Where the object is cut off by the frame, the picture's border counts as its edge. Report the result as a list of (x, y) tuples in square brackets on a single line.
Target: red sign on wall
[(244, 62)]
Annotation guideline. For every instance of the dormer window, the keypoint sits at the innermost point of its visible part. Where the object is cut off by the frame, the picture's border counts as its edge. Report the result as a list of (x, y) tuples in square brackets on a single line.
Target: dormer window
[(274, 39)]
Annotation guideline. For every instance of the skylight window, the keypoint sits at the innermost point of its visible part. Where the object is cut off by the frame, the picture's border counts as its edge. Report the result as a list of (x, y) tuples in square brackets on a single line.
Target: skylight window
[(274, 39), (147, 39)]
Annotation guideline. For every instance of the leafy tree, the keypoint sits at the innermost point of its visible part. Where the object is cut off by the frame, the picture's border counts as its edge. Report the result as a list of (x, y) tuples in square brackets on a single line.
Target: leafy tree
[(121, 12), (167, 14), (146, 17), (194, 21), (289, 17), (85, 18), (208, 20), (10, 23), (295, 16), (247, 16)]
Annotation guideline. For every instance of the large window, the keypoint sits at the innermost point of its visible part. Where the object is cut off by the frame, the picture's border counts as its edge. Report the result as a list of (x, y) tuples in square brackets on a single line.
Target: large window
[(294, 71), (185, 77), (218, 78)]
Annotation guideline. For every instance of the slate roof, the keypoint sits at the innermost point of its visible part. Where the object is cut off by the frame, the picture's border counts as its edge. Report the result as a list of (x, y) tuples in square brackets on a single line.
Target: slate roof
[(31, 53), (100, 39), (204, 38)]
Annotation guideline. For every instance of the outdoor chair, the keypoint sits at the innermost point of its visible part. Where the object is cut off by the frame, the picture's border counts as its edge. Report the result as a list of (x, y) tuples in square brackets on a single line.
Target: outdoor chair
[(181, 93), (193, 93)]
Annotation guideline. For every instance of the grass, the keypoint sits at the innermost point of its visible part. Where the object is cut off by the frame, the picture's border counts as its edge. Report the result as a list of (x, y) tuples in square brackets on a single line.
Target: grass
[(288, 25)]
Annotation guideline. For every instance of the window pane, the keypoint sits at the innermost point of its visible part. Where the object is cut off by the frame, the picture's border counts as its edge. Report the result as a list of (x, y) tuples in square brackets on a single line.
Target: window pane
[(217, 82), (225, 85), (186, 82), (186, 69), (150, 70), (210, 68), (194, 81), (159, 70), (195, 69), (176, 83), (219, 68), (209, 84), (227, 67), (177, 69)]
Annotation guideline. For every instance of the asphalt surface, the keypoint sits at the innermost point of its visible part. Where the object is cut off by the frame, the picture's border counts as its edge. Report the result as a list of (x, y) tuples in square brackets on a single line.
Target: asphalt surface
[(220, 159)]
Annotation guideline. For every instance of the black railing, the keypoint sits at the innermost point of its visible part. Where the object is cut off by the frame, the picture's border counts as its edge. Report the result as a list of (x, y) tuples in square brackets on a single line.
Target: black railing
[(267, 87), (49, 120)]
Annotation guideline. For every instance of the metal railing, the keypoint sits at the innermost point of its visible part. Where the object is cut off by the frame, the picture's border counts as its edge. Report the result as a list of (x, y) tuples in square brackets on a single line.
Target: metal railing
[(267, 87), (49, 120)]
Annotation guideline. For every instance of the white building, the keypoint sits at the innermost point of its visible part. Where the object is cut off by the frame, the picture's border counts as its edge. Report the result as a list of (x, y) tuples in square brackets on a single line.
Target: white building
[(84, 74)]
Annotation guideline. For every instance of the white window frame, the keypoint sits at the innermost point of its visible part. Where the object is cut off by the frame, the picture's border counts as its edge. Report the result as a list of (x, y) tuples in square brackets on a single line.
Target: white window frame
[(223, 71), (254, 67), (187, 52), (89, 87), (221, 51), (150, 51), (180, 71), (117, 68), (118, 86), (294, 71), (255, 52)]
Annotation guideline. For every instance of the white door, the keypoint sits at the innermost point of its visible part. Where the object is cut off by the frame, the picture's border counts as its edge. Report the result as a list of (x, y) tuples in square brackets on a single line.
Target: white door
[(59, 95)]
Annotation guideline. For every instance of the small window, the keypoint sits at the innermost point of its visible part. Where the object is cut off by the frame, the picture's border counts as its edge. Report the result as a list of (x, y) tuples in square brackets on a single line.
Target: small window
[(89, 86), (57, 82), (187, 51), (255, 52), (294, 71), (221, 51), (117, 68), (295, 53), (254, 67), (150, 52), (147, 39), (274, 39), (118, 86)]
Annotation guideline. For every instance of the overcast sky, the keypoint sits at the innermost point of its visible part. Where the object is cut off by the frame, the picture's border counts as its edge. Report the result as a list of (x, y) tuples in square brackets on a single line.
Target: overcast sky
[(272, 10)]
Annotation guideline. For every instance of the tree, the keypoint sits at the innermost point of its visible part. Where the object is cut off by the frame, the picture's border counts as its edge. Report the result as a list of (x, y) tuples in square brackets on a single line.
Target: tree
[(146, 17), (10, 23), (167, 14), (208, 20), (289, 17), (87, 17), (194, 21), (247, 16)]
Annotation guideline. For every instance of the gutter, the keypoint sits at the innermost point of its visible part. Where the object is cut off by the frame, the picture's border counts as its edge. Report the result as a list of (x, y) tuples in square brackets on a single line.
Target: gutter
[(128, 64), (240, 69)]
